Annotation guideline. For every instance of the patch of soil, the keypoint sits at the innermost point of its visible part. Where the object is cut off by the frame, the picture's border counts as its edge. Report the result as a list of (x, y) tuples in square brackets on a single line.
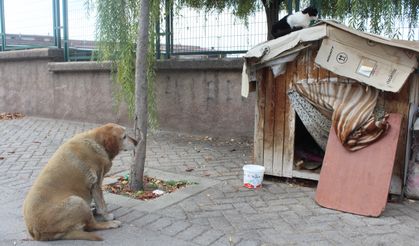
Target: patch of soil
[(11, 116), (153, 187)]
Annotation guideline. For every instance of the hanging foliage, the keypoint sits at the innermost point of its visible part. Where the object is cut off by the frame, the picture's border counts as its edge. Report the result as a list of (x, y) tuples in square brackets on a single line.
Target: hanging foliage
[(380, 17), (116, 34), (241, 8)]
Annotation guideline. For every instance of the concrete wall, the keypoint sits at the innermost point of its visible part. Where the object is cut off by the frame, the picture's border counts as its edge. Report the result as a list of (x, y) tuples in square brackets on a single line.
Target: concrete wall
[(83, 91), (201, 97), (25, 84), (205, 98)]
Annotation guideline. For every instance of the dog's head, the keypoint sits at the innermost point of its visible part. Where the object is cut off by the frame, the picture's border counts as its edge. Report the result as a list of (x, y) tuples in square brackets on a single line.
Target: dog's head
[(114, 138), (312, 12)]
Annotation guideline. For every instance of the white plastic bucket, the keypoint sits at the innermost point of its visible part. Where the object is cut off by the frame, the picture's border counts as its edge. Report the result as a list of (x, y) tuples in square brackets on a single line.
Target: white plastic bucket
[(253, 176)]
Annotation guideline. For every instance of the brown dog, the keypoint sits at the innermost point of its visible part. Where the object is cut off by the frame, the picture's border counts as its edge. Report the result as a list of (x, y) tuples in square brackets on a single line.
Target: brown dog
[(58, 204)]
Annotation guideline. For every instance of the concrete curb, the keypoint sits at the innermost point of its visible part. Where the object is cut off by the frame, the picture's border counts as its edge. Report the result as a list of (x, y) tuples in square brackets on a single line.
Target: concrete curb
[(53, 54), (79, 66), (165, 200)]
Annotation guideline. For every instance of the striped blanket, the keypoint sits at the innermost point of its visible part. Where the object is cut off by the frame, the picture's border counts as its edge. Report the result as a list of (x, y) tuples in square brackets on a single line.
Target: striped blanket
[(350, 106)]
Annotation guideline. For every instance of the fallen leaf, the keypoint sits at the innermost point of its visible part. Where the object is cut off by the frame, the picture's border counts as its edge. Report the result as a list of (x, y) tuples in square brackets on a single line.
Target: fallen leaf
[(11, 152), (1, 158), (189, 169), (36, 142)]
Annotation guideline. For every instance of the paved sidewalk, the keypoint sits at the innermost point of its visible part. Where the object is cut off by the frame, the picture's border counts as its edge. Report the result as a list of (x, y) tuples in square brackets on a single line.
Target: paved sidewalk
[(224, 214)]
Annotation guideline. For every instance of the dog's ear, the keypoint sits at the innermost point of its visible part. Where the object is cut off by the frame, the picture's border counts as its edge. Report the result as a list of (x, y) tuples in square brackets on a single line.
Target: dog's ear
[(111, 144), (108, 137), (135, 142)]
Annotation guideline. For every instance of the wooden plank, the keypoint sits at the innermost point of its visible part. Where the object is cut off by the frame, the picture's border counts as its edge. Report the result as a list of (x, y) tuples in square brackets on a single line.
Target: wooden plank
[(414, 101), (268, 134), (413, 108), (414, 88), (297, 71), (259, 120), (358, 182), (279, 100), (301, 70), (312, 69), (289, 133), (317, 74), (399, 103), (301, 66), (306, 174)]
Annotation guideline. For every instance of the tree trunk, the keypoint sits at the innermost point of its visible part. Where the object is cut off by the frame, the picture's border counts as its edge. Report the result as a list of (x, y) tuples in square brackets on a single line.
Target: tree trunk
[(271, 10), (141, 114)]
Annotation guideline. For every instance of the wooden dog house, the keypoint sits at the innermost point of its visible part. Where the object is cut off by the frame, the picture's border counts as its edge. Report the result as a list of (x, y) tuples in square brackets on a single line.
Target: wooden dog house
[(276, 123)]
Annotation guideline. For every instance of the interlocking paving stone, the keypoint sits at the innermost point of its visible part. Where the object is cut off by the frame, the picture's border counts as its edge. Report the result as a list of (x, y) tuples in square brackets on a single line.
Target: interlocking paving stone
[(174, 211), (279, 213), (177, 227), (192, 232), (208, 237), (145, 220), (248, 243), (160, 224), (200, 221), (131, 216), (221, 223)]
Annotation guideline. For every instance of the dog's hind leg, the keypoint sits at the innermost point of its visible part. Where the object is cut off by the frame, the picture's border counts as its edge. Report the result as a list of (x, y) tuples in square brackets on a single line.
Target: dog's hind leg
[(71, 217), (81, 235)]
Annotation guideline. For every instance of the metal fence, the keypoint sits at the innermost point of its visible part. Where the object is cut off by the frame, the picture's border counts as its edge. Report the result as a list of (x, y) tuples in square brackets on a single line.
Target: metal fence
[(18, 34), (213, 34), (26, 24), (182, 33)]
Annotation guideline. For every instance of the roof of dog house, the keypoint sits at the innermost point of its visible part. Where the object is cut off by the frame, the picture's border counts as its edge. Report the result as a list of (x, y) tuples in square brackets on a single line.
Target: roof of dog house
[(374, 60)]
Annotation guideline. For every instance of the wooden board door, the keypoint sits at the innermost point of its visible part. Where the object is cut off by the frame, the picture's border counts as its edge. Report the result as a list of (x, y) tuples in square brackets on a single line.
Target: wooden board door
[(358, 182)]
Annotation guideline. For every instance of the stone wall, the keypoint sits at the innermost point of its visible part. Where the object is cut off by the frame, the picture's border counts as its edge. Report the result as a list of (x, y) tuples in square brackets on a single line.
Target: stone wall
[(200, 97)]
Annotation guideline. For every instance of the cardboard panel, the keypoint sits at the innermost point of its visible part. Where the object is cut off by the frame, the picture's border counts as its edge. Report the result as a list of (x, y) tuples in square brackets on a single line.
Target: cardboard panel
[(369, 46), (358, 182), (361, 66)]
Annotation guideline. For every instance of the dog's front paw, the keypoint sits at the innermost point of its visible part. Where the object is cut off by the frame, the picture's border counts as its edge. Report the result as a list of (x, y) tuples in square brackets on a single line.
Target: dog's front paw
[(114, 224), (105, 217), (108, 216)]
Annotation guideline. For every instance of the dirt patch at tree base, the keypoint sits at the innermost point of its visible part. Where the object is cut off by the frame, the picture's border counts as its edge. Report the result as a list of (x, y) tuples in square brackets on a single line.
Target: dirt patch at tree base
[(11, 116), (153, 187)]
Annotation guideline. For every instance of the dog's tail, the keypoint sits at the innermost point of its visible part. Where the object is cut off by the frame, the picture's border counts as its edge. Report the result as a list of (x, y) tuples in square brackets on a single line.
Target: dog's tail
[(81, 235)]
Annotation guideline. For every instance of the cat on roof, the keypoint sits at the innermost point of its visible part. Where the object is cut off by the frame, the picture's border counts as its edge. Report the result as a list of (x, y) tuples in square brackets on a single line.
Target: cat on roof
[(294, 22)]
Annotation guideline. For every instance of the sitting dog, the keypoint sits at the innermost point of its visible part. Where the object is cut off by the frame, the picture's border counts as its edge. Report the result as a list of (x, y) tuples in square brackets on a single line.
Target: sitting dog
[(58, 204)]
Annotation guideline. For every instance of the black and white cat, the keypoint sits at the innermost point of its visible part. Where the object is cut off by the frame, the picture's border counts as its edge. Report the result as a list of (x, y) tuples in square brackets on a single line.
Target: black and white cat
[(294, 22)]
